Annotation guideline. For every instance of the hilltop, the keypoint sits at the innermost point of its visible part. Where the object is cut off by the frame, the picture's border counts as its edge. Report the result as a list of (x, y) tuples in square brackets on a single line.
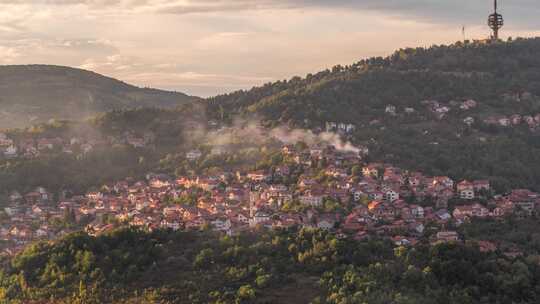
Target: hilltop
[(492, 74), (37, 93)]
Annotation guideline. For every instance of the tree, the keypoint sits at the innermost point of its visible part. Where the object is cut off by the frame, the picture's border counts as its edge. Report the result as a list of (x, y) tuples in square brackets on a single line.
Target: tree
[(204, 258), (245, 292)]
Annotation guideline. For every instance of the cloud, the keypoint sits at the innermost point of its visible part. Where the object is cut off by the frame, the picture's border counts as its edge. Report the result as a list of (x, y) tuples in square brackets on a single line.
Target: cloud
[(522, 12), (210, 47), (8, 55)]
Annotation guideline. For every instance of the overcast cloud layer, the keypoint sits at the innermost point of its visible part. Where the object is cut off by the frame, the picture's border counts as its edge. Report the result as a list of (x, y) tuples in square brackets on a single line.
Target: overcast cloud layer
[(207, 47)]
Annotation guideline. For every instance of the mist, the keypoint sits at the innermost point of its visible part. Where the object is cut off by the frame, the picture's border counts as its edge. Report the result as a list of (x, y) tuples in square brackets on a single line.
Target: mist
[(253, 132)]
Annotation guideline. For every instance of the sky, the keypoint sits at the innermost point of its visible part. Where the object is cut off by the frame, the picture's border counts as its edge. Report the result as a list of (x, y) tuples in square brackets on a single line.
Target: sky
[(210, 47)]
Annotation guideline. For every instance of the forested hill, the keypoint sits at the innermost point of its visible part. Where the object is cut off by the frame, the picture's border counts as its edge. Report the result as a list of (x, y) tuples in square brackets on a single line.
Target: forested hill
[(37, 93), (485, 72), (279, 266), (410, 108)]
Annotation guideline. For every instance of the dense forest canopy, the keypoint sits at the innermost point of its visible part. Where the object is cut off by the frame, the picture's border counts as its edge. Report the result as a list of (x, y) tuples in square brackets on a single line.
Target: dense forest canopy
[(131, 266)]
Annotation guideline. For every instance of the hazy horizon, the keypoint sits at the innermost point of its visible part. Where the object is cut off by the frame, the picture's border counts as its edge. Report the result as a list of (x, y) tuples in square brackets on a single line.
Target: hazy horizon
[(210, 47)]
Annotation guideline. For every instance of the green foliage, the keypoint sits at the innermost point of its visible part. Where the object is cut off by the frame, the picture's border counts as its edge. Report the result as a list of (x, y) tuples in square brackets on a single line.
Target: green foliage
[(130, 266), (488, 73)]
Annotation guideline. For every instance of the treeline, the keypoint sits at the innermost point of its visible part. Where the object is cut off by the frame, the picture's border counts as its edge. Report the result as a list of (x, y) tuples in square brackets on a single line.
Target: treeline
[(76, 174), (132, 266)]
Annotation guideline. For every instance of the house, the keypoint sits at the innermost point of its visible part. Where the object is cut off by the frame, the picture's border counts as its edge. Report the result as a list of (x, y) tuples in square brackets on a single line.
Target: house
[(312, 199), (376, 195), (208, 184), (441, 110), (371, 170), (193, 155), (464, 188), (504, 122), (241, 217), (358, 194), (415, 180), (218, 150), (468, 121), (221, 223), (45, 144), (330, 126), (326, 222), (525, 200), (171, 222), (258, 176), (10, 151), (390, 109), (339, 194), (317, 150), (447, 236), (400, 240), (443, 215), (481, 185), (288, 149), (13, 210), (516, 119), (486, 246), (443, 181), (466, 194), (417, 211), (259, 217), (475, 210), (468, 104), (416, 227), (136, 142), (15, 196), (391, 195), (5, 141), (94, 196)]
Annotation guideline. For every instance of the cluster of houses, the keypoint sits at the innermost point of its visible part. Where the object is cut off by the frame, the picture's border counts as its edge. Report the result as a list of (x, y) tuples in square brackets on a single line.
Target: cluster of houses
[(31, 147), (317, 187), (441, 110), (340, 127), (438, 109), (532, 121)]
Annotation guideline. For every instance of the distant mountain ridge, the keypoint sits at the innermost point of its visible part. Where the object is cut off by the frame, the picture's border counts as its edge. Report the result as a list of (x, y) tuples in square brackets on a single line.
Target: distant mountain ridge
[(37, 93)]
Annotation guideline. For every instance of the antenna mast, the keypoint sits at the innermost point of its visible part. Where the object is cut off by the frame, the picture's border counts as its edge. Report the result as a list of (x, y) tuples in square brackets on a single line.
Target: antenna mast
[(495, 22)]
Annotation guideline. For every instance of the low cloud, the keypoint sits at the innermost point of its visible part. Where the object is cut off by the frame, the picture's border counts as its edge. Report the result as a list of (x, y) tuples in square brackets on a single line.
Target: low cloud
[(441, 11)]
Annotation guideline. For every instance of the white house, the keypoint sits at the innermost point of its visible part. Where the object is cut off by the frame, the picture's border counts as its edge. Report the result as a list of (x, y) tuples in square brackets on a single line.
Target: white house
[(312, 200), (259, 217), (391, 196), (467, 194), (193, 155), (10, 151)]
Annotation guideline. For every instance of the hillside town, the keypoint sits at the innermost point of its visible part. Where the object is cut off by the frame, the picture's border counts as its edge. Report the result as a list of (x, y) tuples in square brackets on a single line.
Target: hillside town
[(441, 111), (29, 147), (316, 186)]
